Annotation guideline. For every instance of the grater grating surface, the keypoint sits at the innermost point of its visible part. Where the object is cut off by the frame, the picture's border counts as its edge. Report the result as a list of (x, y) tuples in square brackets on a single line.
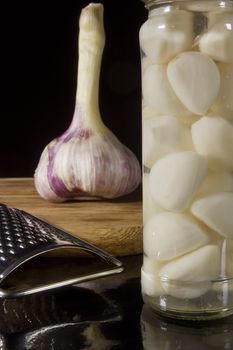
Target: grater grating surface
[(23, 237)]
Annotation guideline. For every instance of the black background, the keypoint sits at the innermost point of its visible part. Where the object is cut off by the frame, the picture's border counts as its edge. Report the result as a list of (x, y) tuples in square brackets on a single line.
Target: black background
[(39, 54)]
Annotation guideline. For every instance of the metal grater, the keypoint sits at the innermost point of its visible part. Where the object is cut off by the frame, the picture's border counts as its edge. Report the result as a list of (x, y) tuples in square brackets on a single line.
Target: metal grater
[(25, 265)]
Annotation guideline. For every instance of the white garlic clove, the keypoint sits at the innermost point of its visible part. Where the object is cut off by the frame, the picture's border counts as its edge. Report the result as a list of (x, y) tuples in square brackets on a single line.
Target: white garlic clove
[(216, 212), (224, 103), (175, 178), (213, 139), (87, 160), (145, 62), (227, 258), (217, 42), (190, 275), (151, 285), (216, 182), (184, 290), (147, 111), (159, 94), (165, 35), (149, 206), (170, 235), (163, 135), (150, 280), (195, 80)]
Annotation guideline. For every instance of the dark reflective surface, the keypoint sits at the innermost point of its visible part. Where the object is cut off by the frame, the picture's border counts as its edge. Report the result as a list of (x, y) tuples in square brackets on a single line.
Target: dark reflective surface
[(159, 333), (106, 314)]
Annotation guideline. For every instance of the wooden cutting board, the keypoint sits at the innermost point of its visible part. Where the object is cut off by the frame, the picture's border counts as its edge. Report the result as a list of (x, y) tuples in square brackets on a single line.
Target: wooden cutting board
[(113, 225)]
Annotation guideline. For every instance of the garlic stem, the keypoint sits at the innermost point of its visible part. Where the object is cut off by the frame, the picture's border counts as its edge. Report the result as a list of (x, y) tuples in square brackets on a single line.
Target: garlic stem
[(91, 45), (87, 160)]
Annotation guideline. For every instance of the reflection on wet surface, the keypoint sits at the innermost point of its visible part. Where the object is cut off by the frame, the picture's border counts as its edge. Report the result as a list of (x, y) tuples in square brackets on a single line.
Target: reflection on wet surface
[(106, 314), (162, 334)]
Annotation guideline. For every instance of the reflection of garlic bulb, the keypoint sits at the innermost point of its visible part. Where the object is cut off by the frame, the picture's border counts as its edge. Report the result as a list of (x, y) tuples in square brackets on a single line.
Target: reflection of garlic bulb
[(87, 160)]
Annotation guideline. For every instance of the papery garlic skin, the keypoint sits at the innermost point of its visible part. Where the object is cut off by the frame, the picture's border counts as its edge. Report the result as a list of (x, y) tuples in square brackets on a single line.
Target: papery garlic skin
[(97, 160), (87, 160)]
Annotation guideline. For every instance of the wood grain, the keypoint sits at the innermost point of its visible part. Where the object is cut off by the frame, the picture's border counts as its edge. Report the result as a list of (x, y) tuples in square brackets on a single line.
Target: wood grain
[(113, 225)]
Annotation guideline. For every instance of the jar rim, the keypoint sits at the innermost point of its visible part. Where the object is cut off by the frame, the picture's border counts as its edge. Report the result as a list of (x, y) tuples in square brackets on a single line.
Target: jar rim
[(150, 3)]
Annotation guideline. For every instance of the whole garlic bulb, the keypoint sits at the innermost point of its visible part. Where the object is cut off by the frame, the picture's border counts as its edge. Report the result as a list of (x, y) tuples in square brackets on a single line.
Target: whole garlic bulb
[(87, 160)]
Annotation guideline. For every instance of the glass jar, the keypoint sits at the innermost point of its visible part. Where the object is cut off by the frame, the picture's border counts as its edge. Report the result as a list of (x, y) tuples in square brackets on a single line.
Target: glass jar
[(160, 334), (187, 121)]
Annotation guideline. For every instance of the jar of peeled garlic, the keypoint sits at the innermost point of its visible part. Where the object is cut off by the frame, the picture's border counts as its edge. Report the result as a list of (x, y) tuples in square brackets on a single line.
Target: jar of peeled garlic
[(187, 121)]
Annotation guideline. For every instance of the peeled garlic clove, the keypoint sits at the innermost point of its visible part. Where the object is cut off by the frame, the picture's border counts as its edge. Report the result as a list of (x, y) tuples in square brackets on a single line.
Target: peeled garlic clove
[(217, 42), (183, 276), (185, 290), (159, 94), (163, 135), (150, 281), (87, 160), (213, 139), (227, 258), (216, 182), (147, 111), (145, 62), (164, 35), (149, 206), (216, 212), (175, 178), (195, 80), (151, 285), (224, 103), (170, 235)]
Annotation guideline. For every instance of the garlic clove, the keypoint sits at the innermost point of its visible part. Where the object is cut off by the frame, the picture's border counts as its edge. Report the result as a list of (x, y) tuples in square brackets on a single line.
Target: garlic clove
[(224, 103), (159, 94), (170, 235), (213, 139), (151, 285), (227, 258), (145, 62), (87, 160), (150, 281), (216, 182), (190, 275), (149, 206), (175, 178), (216, 212), (195, 80), (147, 111), (217, 42), (163, 135), (165, 35)]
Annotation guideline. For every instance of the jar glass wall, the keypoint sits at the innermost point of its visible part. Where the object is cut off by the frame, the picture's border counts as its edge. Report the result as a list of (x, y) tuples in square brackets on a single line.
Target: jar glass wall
[(187, 122)]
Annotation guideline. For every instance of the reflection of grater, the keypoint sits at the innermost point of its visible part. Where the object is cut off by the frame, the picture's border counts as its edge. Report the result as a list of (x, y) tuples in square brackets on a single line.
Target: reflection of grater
[(25, 266)]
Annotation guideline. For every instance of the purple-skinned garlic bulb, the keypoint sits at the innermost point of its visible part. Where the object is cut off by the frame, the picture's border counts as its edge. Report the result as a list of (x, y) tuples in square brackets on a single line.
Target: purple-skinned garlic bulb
[(87, 160)]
